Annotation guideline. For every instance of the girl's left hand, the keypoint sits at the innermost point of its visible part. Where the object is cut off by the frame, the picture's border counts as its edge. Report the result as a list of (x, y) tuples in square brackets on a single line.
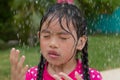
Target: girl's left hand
[(63, 76)]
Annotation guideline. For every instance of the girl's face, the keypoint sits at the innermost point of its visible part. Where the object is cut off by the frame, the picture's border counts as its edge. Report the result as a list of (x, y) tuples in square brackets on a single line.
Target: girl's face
[(57, 45)]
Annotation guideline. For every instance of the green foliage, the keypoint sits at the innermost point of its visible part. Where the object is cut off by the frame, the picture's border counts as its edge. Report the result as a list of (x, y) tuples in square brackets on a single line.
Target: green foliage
[(24, 16), (93, 8), (96, 7), (27, 15), (6, 28), (2, 44)]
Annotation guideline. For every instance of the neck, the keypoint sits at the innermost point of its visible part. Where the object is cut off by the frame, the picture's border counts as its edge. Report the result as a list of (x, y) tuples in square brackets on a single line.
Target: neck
[(66, 67)]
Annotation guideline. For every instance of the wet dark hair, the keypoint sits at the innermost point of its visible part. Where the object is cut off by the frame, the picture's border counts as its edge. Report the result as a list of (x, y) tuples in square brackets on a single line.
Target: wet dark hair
[(71, 13)]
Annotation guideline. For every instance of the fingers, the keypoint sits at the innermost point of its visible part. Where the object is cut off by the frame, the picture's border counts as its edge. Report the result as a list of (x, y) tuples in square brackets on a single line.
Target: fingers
[(17, 69), (20, 63), (65, 76), (14, 56), (77, 76), (24, 70), (12, 52), (62, 76), (14, 59), (56, 77)]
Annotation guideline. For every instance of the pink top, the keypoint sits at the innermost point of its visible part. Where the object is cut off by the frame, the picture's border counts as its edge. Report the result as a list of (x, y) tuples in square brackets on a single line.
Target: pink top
[(94, 74)]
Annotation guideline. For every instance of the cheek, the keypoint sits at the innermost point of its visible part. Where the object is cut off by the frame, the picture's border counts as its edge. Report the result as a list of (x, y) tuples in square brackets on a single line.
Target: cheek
[(43, 44), (68, 46), (70, 43)]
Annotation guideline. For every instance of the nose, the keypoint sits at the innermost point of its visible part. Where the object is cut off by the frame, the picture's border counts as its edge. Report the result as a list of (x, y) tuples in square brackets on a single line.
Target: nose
[(53, 43)]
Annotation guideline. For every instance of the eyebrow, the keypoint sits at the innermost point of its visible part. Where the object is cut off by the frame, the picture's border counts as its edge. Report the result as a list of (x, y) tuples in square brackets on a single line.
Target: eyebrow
[(45, 31), (58, 33), (63, 33)]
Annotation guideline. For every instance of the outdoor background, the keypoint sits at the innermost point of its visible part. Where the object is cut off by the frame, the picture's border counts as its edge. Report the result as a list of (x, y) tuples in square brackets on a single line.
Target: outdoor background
[(19, 23)]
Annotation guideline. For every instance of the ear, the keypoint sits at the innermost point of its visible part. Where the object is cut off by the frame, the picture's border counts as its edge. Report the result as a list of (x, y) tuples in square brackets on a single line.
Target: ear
[(38, 34), (81, 42)]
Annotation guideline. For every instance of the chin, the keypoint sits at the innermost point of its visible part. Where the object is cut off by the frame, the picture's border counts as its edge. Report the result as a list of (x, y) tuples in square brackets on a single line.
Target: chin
[(56, 63)]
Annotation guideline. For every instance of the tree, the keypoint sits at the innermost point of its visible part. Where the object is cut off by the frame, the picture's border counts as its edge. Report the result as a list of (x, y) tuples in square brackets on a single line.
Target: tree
[(93, 8), (6, 28), (27, 14)]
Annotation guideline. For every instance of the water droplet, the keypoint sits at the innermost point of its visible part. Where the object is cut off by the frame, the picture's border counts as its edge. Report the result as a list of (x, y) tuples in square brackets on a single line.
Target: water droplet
[(36, 2), (116, 34)]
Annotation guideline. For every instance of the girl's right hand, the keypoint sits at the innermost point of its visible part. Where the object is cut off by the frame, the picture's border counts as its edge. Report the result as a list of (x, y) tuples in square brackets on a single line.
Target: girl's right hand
[(17, 69), (63, 76)]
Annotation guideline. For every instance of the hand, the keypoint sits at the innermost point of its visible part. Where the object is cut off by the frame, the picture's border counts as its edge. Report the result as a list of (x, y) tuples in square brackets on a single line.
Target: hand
[(63, 76), (17, 69)]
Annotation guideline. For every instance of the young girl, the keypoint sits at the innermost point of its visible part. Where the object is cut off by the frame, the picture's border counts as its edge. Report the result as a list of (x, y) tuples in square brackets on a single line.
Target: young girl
[(62, 36)]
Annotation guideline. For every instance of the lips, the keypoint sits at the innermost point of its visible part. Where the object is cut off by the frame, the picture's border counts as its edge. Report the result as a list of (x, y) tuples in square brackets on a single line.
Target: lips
[(53, 54)]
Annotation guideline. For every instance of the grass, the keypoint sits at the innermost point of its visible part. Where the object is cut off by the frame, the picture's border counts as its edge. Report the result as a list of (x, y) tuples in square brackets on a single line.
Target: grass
[(103, 51)]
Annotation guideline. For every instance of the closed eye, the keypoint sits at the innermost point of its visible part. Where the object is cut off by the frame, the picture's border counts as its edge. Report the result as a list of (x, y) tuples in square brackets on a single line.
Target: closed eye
[(64, 38), (46, 36)]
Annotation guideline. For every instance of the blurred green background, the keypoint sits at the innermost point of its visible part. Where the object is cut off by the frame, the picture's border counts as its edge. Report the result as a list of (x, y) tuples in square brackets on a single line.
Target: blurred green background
[(19, 23)]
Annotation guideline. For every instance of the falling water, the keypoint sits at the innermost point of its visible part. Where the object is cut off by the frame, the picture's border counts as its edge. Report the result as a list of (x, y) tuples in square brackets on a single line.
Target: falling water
[(103, 30)]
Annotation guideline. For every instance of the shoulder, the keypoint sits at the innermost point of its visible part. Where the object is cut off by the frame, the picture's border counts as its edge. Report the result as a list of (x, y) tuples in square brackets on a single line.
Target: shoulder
[(94, 74), (31, 74)]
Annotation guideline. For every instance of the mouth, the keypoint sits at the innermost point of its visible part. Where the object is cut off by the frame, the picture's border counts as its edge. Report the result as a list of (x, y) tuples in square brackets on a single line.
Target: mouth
[(53, 54)]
